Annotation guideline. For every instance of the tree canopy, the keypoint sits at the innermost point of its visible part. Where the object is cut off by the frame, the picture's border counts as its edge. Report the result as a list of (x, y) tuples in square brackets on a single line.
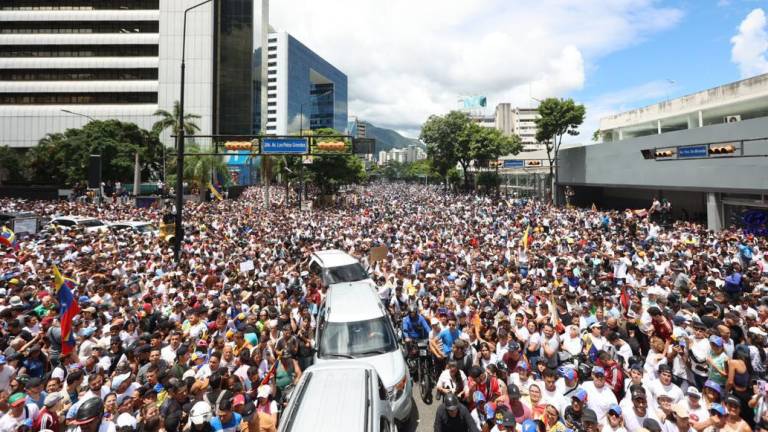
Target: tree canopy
[(62, 158), (455, 139)]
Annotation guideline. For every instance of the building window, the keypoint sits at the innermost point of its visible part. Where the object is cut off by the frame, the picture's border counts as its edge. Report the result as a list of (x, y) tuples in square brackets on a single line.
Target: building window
[(271, 111), (76, 98), (78, 51), (270, 64), (271, 104), (79, 4), (272, 56), (48, 27), (271, 79), (77, 74)]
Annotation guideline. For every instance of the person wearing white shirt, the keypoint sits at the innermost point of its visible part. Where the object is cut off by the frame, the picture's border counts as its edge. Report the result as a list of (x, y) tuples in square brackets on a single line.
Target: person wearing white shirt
[(638, 411), (6, 373), (601, 396), (168, 352), (571, 341), (663, 386)]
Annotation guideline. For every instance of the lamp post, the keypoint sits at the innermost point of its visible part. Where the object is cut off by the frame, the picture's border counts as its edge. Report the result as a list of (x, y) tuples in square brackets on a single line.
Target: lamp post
[(78, 114), (179, 231)]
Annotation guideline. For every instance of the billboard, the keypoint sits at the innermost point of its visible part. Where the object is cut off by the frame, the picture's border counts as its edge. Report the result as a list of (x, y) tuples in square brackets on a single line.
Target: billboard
[(330, 145), (278, 146), (471, 102)]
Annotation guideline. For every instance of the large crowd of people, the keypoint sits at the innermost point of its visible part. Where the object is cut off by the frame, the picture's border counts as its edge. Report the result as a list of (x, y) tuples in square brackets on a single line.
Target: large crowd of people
[(538, 318)]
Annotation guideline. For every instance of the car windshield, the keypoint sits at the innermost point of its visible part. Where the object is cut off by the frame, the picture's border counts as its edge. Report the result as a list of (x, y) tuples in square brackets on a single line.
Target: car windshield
[(357, 338), (91, 223), (347, 273), (145, 228)]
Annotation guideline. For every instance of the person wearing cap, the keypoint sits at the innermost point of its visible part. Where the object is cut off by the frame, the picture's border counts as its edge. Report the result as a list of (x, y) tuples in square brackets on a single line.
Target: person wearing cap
[(697, 411), (589, 420), (48, 417), (734, 421), (35, 393), (698, 353), (505, 421), (600, 395), (717, 360), (635, 414), (480, 411), (453, 416), (569, 380), (266, 409), (19, 412), (613, 422), (573, 412), (663, 385)]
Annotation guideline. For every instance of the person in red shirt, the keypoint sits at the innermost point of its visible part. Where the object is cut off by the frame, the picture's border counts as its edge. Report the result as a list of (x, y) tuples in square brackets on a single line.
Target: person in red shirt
[(661, 325), (485, 383), (614, 376)]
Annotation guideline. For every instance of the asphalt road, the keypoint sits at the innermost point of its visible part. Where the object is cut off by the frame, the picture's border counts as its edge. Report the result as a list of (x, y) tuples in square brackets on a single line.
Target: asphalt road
[(423, 415)]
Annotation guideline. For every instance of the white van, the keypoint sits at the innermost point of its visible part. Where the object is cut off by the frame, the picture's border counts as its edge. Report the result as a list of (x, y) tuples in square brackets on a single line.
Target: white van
[(353, 324), (336, 266), (338, 396)]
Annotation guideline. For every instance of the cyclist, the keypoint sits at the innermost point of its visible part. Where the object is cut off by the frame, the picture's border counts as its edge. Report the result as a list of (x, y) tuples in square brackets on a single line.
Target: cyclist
[(415, 326)]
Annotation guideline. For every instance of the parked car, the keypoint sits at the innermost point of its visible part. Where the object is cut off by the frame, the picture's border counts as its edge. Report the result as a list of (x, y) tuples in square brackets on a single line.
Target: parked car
[(68, 222), (354, 324), (338, 396), (146, 228)]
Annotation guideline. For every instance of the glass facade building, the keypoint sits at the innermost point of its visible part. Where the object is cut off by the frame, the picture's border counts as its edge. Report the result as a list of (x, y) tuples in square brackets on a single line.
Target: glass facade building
[(304, 91), (233, 48)]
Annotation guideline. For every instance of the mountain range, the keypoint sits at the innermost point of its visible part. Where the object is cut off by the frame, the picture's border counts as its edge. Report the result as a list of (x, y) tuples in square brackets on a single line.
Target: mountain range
[(388, 139)]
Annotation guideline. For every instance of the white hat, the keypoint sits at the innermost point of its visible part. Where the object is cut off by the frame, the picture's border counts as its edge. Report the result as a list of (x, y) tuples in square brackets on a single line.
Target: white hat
[(264, 391), (200, 413), (15, 301), (758, 331), (119, 380), (126, 419)]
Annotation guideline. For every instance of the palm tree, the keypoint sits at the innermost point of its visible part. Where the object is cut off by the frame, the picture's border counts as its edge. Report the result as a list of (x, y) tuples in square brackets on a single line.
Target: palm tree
[(171, 121), (199, 170)]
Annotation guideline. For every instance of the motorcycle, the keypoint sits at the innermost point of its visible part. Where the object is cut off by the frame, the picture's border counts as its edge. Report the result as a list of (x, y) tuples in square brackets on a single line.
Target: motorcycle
[(419, 362)]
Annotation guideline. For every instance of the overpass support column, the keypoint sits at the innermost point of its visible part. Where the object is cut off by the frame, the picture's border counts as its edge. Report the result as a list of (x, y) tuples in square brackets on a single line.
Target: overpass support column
[(714, 211)]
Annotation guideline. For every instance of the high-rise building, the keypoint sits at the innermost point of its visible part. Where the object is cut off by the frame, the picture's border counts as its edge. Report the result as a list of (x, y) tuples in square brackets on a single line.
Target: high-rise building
[(519, 121), (63, 61), (304, 91)]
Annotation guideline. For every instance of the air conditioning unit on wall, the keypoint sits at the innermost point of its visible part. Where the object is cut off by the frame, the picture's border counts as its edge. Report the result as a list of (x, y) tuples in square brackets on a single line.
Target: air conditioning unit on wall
[(732, 118)]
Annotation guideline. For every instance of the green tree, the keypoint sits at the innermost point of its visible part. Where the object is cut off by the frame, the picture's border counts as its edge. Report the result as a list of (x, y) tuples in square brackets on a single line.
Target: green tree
[(445, 137), (596, 135), (330, 172), (11, 165), (62, 158), (558, 117), (200, 169), (170, 121)]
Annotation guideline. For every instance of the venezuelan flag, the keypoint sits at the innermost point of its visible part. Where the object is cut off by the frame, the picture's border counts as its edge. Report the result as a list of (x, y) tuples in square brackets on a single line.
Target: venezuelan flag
[(8, 238), (68, 308), (526, 238)]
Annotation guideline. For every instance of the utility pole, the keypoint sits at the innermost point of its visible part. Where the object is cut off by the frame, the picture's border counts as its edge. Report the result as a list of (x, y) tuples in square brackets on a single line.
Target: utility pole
[(265, 168)]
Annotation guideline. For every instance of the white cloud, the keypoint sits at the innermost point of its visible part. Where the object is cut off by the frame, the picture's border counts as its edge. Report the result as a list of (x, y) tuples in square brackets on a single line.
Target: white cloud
[(408, 59), (614, 102), (750, 45)]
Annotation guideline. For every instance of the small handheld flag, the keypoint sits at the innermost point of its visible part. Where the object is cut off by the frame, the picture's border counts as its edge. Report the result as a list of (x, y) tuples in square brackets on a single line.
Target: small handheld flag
[(8, 238), (68, 308)]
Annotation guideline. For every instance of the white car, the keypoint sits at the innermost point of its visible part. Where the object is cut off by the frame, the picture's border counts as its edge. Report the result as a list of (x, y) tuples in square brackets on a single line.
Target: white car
[(145, 228), (90, 224), (335, 266), (353, 324), (351, 389)]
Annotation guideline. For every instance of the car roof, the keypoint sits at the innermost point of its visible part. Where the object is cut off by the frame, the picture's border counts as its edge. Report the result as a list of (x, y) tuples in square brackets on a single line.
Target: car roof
[(75, 218), (337, 388), (352, 301), (334, 258), (132, 223)]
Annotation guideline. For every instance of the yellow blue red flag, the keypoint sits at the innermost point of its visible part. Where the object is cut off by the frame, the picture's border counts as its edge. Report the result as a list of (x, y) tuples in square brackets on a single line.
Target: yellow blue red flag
[(68, 308)]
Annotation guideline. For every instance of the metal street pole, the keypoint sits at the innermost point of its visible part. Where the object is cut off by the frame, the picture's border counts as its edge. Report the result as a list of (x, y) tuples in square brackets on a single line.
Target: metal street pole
[(179, 234)]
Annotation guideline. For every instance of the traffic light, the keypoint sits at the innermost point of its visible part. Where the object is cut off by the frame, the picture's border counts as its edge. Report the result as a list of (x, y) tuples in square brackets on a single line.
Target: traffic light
[(533, 163), (332, 146), (665, 153), (168, 227), (238, 145), (494, 164), (721, 149)]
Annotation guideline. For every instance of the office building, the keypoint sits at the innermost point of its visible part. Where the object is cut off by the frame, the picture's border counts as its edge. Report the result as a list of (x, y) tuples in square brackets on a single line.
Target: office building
[(704, 152), (519, 121), (63, 62), (729, 103), (412, 153), (304, 91)]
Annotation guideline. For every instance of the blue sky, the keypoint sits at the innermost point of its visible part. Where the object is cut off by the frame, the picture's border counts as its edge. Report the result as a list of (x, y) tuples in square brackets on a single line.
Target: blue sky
[(694, 55), (406, 60)]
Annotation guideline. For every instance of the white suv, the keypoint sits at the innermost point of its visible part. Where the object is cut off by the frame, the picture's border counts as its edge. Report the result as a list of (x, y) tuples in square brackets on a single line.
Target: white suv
[(353, 324), (335, 266), (90, 224)]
